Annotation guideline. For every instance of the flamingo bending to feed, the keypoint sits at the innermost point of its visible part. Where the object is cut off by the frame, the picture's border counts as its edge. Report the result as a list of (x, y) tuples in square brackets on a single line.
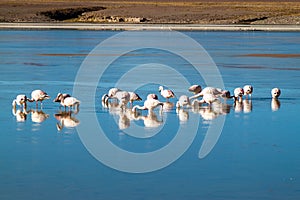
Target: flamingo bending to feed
[(196, 89), (207, 98), (134, 97), (238, 94), (111, 94), (216, 92), (38, 95), (122, 96), (248, 89), (20, 100), (183, 101), (57, 99), (275, 93), (149, 104), (68, 101), (166, 93)]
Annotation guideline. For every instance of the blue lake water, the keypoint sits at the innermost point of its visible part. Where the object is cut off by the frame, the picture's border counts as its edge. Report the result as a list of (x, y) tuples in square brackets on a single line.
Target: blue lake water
[(45, 155)]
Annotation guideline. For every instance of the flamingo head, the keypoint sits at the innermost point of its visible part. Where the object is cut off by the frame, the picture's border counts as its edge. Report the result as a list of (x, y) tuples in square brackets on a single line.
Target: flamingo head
[(248, 89), (275, 92), (160, 88)]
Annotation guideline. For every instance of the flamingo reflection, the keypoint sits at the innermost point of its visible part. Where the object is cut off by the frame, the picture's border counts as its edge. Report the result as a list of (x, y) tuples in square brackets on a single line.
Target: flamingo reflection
[(66, 120)]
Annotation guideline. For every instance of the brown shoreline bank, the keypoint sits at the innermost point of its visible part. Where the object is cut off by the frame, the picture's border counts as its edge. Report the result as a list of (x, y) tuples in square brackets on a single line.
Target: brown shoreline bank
[(215, 12)]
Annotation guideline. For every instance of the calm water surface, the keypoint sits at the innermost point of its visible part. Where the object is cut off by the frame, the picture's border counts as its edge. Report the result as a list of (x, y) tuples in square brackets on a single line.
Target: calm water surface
[(255, 157)]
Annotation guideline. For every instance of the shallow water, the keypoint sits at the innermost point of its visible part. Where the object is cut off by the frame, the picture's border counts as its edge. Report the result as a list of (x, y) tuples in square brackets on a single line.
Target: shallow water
[(255, 155)]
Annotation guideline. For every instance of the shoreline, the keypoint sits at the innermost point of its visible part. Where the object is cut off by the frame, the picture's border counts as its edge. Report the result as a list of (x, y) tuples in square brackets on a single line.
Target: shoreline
[(155, 27)]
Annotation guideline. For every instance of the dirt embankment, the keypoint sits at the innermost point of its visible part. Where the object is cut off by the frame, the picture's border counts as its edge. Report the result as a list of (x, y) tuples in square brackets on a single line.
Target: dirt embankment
[(153, 11)]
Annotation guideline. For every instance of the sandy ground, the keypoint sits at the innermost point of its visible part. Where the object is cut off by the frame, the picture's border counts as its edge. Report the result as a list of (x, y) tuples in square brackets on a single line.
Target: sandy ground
[(216, 12)]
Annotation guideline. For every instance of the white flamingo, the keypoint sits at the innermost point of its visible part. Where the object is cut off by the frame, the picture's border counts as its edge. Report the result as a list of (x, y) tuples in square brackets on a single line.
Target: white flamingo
[(183, 101), (20, 100), (276, 92), (122, 96), (149, 104), (68, 101), (166, 93), (196, 89), (65, 95), (238, 94), (152, 96), (212, 91), (111, 94), (248, 89), (38, 95), (134, 97)]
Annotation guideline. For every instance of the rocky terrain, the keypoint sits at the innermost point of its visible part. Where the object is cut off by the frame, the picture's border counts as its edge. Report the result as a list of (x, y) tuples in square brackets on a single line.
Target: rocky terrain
[(152, 11)]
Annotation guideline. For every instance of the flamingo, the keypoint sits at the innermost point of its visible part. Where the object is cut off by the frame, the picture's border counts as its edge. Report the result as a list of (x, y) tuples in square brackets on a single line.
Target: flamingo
[(238, 94), (183, 101), (68, 101), (149, 104), (208, 90), (111, 93), (166, 93), (196, 89), (65, 95), (275, 93), (152, 96), (134, 97), (248, 89), (20, 100), (122, 96), (38, 95)]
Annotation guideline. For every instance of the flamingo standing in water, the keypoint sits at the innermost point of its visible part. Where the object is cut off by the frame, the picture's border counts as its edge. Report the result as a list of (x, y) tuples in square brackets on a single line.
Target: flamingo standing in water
[(111, 94), (183, 101), (68, 101), (238, 94), (20, 100), (275, 93), (149, 104), (166, 93), (248, 89), (38, 95), (209, 90), (57, 99)]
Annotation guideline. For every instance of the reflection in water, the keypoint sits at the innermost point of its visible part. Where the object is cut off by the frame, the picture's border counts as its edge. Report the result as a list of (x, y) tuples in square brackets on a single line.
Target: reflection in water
[(243, 106), (183, 115), (66, 120), (150, 120), (275, 104), (168, 106), (20, 114), (127, 115), (212, 111), (38, 116)]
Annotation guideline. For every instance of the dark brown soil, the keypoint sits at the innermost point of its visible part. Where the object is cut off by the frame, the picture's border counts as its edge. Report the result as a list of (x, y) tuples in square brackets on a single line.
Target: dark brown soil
[(152, 11)]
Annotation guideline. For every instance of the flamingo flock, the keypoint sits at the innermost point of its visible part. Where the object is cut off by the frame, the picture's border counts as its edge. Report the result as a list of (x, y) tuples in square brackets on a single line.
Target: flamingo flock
[(38, 115), (207, 101)]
